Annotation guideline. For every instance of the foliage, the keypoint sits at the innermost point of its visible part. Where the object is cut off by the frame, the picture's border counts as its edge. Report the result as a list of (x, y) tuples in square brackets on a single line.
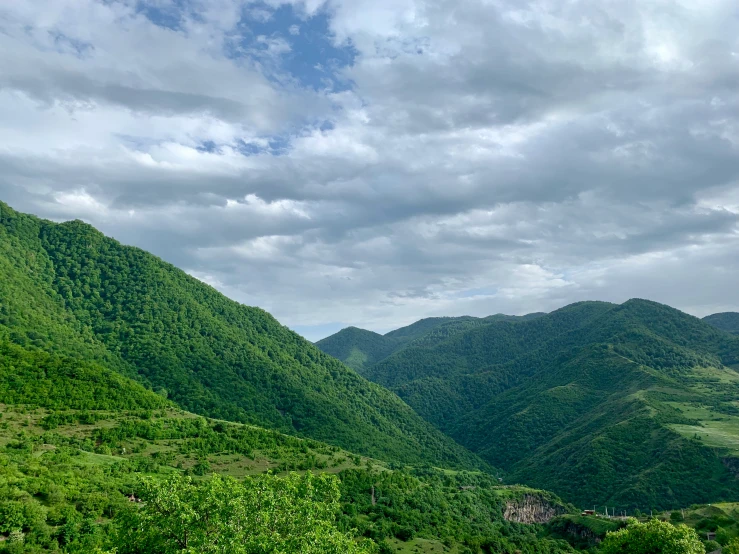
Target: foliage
[(359, 348), (462, 508), (68, 489), (35, 377), (263, 515), (732, 547), (652, 537)]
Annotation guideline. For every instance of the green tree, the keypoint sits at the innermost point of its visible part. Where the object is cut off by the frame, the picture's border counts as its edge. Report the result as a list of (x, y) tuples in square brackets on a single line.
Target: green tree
[(711, 546), (652, 537), (732, 547), (723, 536), (264, 515)]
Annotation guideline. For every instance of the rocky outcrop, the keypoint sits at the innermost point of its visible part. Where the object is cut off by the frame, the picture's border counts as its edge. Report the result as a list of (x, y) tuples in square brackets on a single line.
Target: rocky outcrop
[(577, 534), (531, 508)]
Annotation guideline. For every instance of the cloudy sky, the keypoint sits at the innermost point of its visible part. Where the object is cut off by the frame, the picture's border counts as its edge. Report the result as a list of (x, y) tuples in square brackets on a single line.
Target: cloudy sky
[(372, 162)]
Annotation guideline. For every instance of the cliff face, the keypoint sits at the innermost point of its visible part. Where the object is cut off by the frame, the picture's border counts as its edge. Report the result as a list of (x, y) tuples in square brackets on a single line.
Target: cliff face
[(582, 535), (531, 508)]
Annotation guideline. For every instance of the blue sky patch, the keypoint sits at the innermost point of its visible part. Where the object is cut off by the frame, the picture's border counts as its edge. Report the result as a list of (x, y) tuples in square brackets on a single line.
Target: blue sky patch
[(313, 60), (167, 15)]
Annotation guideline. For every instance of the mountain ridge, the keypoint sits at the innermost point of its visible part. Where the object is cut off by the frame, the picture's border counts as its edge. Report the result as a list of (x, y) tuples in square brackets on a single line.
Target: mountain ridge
[(726, 321), (69, 290), (612, 403), (360, 348)]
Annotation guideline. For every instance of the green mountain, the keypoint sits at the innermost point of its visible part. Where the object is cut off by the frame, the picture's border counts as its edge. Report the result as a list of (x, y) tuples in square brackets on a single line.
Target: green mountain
[(632, 405), (359, 348), (87, 302), (727, 321)]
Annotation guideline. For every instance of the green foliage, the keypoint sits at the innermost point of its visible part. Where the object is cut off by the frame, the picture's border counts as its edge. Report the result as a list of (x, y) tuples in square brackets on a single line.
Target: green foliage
[(264, 515), (68, 489), (357, 347), (711, 546), (732, 547), (92, 304), (457, 508), (360, 349), (653, 537), (29, 376)]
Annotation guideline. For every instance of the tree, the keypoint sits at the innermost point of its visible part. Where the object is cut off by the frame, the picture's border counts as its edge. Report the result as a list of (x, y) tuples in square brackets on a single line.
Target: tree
[(262, 515), (712, 546), (722, 536), (652, 537), (732, 547)]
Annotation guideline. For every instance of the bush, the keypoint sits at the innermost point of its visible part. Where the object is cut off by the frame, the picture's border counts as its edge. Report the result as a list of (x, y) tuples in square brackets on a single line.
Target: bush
[(653, 537)]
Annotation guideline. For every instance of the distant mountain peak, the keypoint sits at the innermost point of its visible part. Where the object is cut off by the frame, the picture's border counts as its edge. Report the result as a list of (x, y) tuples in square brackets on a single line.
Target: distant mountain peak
[(726, 321)]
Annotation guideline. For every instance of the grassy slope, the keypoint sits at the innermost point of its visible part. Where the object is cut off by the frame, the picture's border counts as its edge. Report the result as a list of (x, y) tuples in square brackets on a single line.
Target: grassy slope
[(68, 472), (71, 291)]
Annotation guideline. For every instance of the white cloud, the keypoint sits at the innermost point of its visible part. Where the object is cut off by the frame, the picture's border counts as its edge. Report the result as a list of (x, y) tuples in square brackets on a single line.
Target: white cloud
[(489, 156)]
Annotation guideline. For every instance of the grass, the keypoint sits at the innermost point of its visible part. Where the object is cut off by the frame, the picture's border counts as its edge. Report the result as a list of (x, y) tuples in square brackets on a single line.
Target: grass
[(421, 546), (715, 429), (18, 421)]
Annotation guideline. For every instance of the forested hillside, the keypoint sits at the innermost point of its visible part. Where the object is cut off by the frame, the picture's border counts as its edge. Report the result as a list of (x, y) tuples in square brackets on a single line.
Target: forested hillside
[(85, 300), (360, 349), (727, 321), (630, 405)]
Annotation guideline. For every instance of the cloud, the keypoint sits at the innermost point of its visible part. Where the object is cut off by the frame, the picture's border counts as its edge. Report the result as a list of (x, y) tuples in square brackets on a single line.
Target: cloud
[(477, 157)]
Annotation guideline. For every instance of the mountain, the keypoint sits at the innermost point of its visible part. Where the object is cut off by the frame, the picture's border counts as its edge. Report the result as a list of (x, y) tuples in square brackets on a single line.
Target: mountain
[(632, 405), (727, 321), (70, 293), (359, 348), (79, 443)]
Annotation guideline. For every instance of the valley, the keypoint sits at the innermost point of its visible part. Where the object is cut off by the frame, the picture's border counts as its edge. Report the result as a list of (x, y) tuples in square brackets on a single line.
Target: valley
[(630, 405), (133, 397)]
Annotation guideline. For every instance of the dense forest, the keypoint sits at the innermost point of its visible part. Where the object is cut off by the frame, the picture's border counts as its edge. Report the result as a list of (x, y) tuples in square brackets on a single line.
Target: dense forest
[(630, 405), (360, 349), (69, 291), (727, 321)]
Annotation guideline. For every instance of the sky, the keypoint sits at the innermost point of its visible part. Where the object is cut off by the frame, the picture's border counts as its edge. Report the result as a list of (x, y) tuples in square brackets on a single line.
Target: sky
[(374, 162)]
